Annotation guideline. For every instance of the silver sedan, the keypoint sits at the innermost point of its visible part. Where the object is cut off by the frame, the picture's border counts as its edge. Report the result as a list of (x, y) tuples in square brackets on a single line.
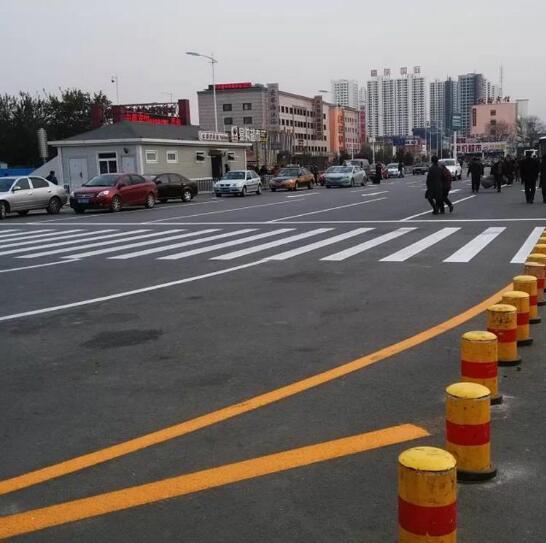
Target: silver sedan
[(22, 194)]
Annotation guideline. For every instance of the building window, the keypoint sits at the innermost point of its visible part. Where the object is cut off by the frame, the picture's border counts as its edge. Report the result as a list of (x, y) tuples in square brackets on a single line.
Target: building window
[(172, 157), (247, 106), (493, 112), (226, 107), (200, 156), (228, 121), (108, 162), (151, 157), (231, 156), (493, 122), (247, 120)]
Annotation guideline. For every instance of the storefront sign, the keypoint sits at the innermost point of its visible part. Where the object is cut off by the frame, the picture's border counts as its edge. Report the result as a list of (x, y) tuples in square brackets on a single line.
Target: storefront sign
[(248, 134), (212, 136), (233, 86), (482, 147)]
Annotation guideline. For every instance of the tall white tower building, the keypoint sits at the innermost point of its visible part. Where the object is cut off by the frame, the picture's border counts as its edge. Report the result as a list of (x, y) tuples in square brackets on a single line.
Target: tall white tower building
[(345, 92)]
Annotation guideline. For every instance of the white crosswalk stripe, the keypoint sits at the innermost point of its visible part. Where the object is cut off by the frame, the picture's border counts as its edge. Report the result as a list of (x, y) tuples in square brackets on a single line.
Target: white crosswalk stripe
[(476, 245), (370, 244), (420, 246), (19, 235), (6, 230), (318, 244), (270, 245), (182, 244), (521, 256), (43, 238), (185, 254)]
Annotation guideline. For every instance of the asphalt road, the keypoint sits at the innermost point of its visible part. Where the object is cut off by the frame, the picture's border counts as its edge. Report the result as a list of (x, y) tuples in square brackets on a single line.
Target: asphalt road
[(114, 326)]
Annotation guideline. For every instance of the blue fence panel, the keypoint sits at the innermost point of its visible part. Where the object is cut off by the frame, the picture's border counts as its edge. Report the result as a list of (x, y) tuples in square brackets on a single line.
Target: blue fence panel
[(8, 172)]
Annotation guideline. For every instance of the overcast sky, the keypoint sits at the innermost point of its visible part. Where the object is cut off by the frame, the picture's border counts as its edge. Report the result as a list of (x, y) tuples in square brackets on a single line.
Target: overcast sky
[(301, 44)]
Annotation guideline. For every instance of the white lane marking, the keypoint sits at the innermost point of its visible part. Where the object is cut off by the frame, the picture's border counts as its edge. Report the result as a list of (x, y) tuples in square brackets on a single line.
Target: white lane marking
[(208, 249), (429, 211), (22, 234), (467, 252), (140, 244), (48, 238), (303, 195), (270, 245), (181, 244), (39, 246), (370, 244), (326, 210), (375, 193), (521, 256), (221, 211), (318, 244), (419, 246), (128, 293), (99, 244), (454, 191), (5, 230), (22, 268)]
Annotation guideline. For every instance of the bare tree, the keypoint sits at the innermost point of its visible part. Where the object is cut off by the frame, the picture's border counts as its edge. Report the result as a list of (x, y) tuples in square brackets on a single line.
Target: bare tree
[(529, 130)]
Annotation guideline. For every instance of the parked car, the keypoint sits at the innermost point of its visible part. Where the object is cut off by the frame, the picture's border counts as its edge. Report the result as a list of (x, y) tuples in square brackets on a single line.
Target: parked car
[(393, 171), (23, 194), (292, 178), (172, 186), (363, 163), (453, 166), (113, 191), (238, 182), (344, 176), (420, 169)]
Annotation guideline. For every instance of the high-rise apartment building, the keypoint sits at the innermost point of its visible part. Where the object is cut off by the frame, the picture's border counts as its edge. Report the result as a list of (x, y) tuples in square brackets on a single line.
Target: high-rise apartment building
[(345, 92), (444, 106), (437, 105), (472, 89), (395, 106)]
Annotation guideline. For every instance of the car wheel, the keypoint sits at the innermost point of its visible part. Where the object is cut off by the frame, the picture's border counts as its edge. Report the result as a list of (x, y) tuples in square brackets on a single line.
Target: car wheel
[(115, 206), (352, 183), (186, 195), (259, 189), (23, 213), (79, 210), (150, 201), (310, 185), (163, 200), (54, 206), (273, 190), (296, 186), (243, 192), (218, 195), (3, 210)]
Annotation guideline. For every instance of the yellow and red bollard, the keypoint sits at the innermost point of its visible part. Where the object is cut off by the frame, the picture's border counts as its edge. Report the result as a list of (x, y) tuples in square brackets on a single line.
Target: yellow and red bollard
[(528, 284), (538, 270), (427, 496), (536, 257), (468, 430), (520, 300), (502, 321), (540, 248), (479, 358)]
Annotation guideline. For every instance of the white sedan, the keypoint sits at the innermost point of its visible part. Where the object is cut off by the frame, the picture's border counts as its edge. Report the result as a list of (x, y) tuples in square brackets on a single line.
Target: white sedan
[(453, 166), (344, 176), (238, 182)]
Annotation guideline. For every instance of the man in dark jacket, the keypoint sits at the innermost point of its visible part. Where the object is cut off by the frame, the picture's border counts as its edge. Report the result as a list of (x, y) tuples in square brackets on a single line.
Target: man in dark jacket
[(529, 169), (435, 187), (543, 178), (475, 169), (509, 170), (446, 187), (52, 178), (378, 173), (497, 173)]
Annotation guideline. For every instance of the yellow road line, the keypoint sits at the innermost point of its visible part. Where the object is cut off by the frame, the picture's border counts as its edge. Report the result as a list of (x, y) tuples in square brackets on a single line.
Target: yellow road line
[(160, 436), (101, 504)]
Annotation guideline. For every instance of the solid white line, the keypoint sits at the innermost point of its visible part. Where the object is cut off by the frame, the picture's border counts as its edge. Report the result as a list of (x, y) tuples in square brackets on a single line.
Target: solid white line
[(181, 244), (476, 245), (303, 195), (140, 244), (220, 211), (71, 242), (270, 245), (128, 292), (48, 238), (201, 250), (521, 256), (429, 211), (98, 244), (326, 210), (22, 234), (370, 244), (419, 246), (375, 193), (319, 244), (38, 266)]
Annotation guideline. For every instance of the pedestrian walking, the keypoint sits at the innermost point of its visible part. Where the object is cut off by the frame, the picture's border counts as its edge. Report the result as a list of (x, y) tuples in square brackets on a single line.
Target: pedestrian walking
[(226, 168), (378, 173), (435, 187), (509, 169), (529, 170), (400, 169), (517, 175), (475, 170), (446, 187), (496, 172), (52, 178), (543, 178)]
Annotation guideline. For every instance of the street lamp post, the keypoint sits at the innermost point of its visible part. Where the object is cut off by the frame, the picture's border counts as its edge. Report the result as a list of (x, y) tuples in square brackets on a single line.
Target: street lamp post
[(213, 61), (114, 79)]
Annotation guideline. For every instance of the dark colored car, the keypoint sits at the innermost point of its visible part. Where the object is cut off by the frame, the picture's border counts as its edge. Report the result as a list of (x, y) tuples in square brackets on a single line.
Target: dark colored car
[(172, 186), (420, 169), (112, 191)]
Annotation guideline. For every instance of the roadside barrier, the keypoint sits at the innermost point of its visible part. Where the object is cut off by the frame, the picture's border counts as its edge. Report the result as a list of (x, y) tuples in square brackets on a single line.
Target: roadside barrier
[(520, 300), (540, 248), (479, 359), (468, 434), (427, 496), (537, 270), (528, 284), (502, 321), (536, 257)]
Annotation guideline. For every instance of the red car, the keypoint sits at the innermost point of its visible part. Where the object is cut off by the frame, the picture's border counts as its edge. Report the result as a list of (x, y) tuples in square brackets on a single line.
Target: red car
[(112, 191)]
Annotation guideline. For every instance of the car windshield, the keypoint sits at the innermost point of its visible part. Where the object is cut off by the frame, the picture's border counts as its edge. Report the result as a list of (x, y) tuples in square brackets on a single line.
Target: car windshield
[(448, 162), (5, 184), (289, 172), (234, 175), (102, 181), (340, 169), (392, 165)]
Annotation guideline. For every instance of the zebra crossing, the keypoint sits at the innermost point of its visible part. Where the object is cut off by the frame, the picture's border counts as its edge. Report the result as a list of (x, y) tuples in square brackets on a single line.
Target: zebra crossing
[(326, 244)]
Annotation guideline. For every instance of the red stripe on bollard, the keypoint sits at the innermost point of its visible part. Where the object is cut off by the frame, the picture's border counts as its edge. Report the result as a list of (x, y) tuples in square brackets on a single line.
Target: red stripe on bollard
[(468, 434), (504, 336), (433, 521), (479, 370), (533, 300), (523, 319)]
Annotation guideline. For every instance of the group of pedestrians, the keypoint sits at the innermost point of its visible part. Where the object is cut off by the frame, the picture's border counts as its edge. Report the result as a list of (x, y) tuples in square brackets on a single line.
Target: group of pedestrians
[(438, 187)]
